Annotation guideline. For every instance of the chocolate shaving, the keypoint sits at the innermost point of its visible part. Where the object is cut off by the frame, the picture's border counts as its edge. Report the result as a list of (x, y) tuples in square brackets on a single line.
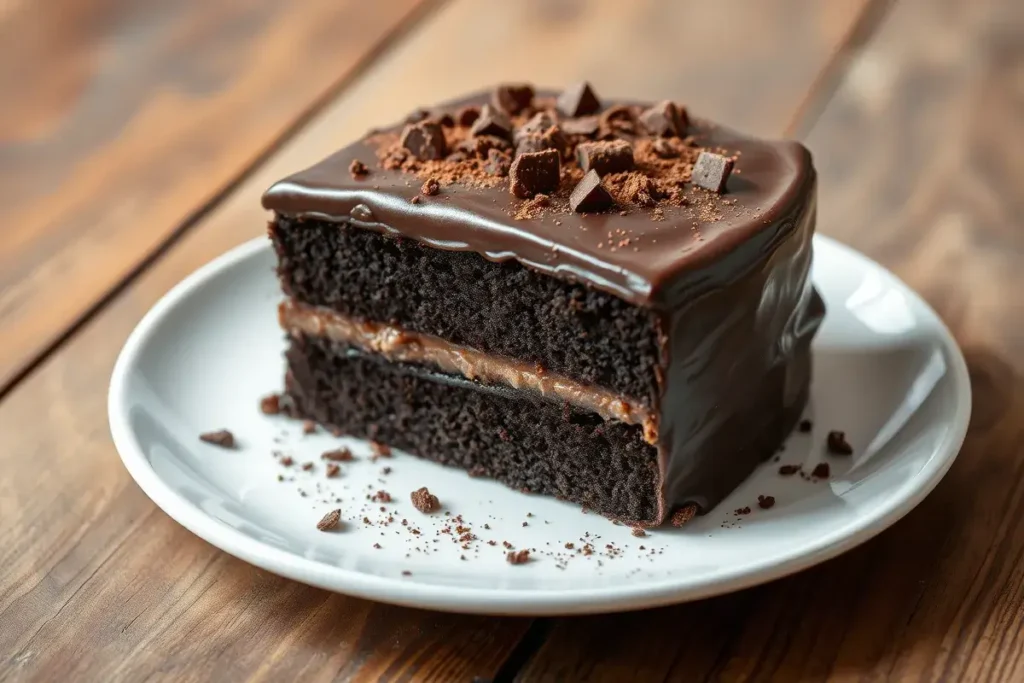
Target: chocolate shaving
[(711, 171), (578, 100), (534, 172)]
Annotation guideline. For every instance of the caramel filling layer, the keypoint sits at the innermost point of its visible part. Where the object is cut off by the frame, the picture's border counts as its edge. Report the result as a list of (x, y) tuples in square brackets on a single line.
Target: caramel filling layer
[(399, 345)]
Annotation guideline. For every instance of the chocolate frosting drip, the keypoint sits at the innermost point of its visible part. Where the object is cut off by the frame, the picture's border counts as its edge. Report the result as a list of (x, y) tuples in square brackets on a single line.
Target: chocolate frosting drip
[(727, 274), (655, 269)]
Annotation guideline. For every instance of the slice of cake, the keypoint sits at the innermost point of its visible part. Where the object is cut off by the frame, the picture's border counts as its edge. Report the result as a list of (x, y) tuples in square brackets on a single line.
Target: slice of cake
[(604, 302)]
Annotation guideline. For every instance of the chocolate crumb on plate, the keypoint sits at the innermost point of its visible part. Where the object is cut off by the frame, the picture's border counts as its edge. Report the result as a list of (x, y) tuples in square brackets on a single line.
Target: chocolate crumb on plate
[(308, 427), (380, 450), (805, 426), (745, 510), (307, 466), (765, 502), (415, 199), (406, 572), (837, 444), (788, 470), (821, 470), (589, 195), (684, 514), (287, 461), (711, 171), (534, 172), (518, 557), (639, 532), (329, 521), (425, 501), (578, 100), (222, 437), (358, 169), (270, 405), (340, 455), (333, 469), (381, 497)]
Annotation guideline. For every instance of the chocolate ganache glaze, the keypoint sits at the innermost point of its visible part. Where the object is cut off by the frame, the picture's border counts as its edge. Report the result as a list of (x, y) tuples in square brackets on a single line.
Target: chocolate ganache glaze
[(727, 275)]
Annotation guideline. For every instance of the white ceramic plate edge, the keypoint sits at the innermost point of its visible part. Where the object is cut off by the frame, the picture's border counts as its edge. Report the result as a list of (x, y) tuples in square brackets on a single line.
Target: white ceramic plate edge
[(486, 601)]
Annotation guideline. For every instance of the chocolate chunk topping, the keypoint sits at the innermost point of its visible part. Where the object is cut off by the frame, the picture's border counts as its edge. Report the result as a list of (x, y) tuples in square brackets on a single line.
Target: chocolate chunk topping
[(589, 196), (492, 122), (711, 171), (585, 126), (684, 514), (613, 156), (498, 163), (358, 169), (578, 100), (513, 97), (664, 119), (531, 143), (837, 444), (329, 521), (466, 116), (425, 140), (765, 502), (518, 557), (534, 172), (821, 470), (425, 501), (537, 125), (430, 187), (221, 437)]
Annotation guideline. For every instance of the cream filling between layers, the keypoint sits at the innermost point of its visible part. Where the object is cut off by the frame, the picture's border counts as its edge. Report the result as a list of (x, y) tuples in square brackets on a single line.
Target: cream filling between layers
[(398, 345)]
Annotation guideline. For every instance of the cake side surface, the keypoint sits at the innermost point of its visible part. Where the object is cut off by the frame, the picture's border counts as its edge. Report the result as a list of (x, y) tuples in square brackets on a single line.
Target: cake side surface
[(528, 443)]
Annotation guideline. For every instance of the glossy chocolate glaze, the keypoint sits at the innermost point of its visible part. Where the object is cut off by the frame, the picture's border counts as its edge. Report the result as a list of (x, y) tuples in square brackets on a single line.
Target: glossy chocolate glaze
[(737, 309)]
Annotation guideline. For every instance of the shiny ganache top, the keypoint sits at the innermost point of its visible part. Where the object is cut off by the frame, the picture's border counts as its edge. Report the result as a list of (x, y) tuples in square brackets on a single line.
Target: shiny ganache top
[(649, 256)]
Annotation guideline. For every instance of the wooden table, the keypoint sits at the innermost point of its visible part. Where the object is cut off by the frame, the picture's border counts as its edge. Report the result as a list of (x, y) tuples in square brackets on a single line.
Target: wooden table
[(135, 139)]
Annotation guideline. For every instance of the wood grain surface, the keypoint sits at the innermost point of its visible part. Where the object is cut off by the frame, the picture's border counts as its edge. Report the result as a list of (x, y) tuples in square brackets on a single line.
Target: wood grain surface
[(920, 167), (916, 168), (120, 120)]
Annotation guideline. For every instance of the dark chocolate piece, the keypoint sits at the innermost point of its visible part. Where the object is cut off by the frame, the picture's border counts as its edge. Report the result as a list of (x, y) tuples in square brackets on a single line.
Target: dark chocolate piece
[(513, 98), (425, 140), (534, 172), (537, 125), (498, 163), (664, 119), (586, 126), (578, 100), (221, 437), (711, 171), (613, 156), (492, 121), (466, 116), (837, 444), (589, 196)]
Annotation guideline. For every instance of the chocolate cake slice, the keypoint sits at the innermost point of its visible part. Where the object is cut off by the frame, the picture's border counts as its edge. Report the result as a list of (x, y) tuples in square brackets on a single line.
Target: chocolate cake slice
[(604, 302)]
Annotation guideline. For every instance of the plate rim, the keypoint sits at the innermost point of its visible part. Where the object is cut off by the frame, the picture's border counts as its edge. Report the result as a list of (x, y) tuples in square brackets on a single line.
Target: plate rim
[(519, 602)]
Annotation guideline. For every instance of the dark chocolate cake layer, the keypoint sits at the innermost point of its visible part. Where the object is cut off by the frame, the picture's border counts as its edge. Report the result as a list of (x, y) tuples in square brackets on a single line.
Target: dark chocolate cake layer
[(526, 442), (509, 310)]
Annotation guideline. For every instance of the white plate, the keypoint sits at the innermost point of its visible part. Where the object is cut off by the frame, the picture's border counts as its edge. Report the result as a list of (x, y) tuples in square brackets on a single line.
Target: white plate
[(886, 371)]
